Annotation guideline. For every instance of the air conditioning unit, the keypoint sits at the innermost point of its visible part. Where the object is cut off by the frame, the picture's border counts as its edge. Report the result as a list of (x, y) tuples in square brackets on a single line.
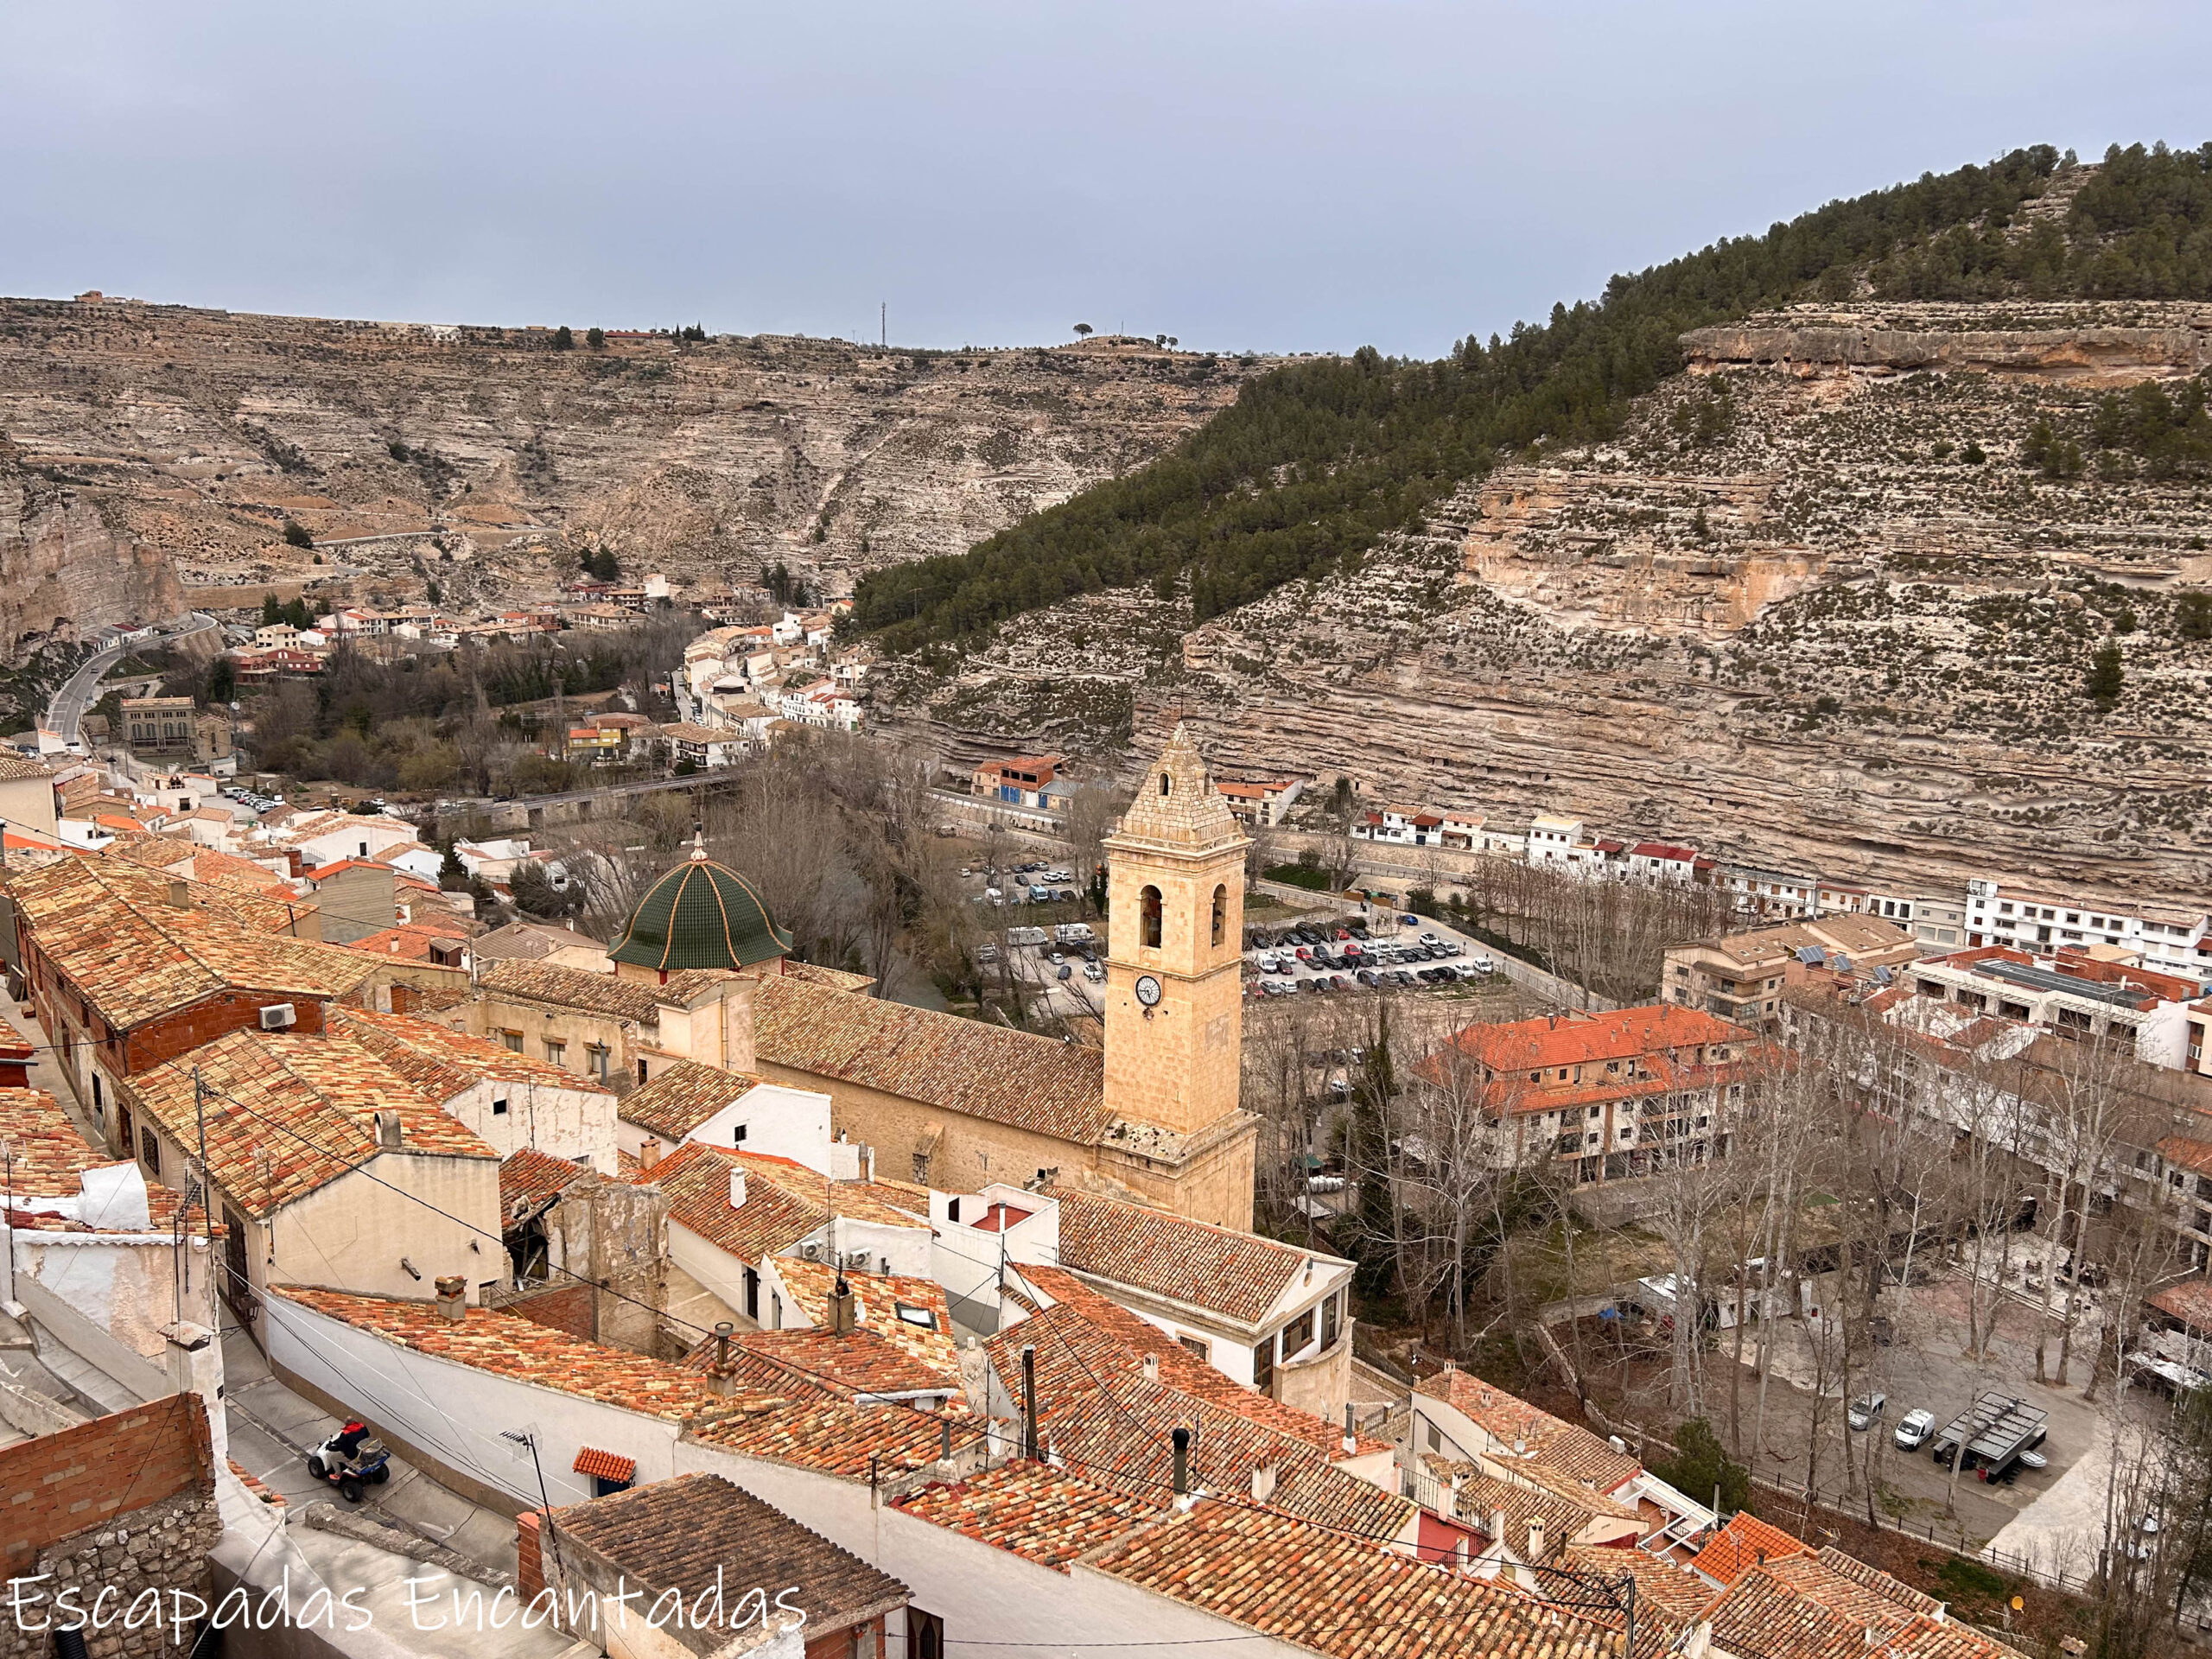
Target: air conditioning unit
[(277, 1016), (811, 1250), (856, 1259)]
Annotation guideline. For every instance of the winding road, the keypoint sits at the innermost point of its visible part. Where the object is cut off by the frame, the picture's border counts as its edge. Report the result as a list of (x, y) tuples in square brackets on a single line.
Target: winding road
[(65, 714)]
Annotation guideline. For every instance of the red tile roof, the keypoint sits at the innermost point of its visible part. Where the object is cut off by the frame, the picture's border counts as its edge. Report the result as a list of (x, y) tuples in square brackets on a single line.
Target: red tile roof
[(682, 1096), (1050, 1516), (507, 1345), (981, 1070), (1236, 1274), (837, 1438), (1528, 1044), (1342, 1597), (784, 1201), (287, 1116), (530, 1177), (48, 1161), (1560, 1446), (604, 1465), (862, 1362), (1741, 1544)]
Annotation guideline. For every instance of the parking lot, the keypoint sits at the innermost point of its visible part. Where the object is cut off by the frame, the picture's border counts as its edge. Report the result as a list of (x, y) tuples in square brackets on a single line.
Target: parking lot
[(1924, 1367), (1378, 950)]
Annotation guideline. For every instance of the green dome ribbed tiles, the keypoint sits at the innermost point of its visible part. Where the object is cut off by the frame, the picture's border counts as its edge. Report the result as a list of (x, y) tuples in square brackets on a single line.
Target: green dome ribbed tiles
[(700, 914)]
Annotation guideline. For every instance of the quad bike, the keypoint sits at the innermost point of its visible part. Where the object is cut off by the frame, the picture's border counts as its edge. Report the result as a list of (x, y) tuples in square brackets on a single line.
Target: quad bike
[(352, 1459)]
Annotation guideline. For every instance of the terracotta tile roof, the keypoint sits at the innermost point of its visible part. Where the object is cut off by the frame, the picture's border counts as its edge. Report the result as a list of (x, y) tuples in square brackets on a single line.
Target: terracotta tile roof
[(862, 1362), (110, 927), (877, 1299), (1033, 1510), (1112, 1424), (443, 1062), (1130, 1338), (784, 1201), (682, 1096), (756, 1374), (688, 1534), (1763, 1615), (16, 767), (289, 1115), (507, 1345), (1850, 1587), (406, 941), (1236, 1274), (48, 1161), (578, 988), (1563, 1509), (1744, 1543), (837, 1438), (963, 1065), (604, 1465), (836, 979), (1672, 1587), (1557, 1444), (530, 1177), (1345, 1598), (1526, 1044)]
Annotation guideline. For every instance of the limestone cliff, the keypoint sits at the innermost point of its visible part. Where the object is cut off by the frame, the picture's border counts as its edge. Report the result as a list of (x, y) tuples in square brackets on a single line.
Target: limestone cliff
[(483, 458), (64, 569), (1814, 607)]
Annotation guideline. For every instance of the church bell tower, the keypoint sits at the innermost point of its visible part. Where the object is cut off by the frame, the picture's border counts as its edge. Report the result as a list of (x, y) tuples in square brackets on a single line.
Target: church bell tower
[(1174, 952)]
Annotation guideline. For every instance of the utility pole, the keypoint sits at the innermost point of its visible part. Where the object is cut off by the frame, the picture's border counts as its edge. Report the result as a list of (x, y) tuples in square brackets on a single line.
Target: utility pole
[(200, 1093), (883, 323)]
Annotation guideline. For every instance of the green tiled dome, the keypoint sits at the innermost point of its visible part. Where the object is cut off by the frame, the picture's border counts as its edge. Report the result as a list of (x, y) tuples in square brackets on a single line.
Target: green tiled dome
[(700, 914)]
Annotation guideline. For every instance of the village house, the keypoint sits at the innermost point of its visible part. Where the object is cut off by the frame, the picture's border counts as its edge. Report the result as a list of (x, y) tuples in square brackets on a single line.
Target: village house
[(129, 968), (705, 748), (1259, 801), (1662, 863), (1033, 781), (1599, 1096), (1268, 1315), (1402, 826), (327, 1166), (1740, 976), (26, 796)]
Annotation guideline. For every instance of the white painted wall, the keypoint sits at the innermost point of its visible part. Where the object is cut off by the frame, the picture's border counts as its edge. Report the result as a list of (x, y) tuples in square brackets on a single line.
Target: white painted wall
[(780, 1122), (457, 1413), (566, 1122), (982, 1593), (716, 1268), (128, 1285)]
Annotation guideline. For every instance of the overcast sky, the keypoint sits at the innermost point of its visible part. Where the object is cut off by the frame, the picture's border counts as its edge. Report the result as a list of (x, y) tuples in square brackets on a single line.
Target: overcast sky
[(1282, 176)]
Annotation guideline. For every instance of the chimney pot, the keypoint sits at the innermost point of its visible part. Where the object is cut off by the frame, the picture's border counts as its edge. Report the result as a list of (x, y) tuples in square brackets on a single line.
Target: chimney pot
[(1263, 1483), (737, 1189), (1536, 1541), (649, 1154), (181, 894), (388, 1131), (1182, 1440), (453, 1298), (1152, 1368)]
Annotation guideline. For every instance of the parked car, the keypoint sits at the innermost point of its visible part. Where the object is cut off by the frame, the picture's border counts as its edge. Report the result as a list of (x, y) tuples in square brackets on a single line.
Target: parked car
[(1094, 973), (1409, 920), (1481, 964), (1064, 972), (1861, 1412), (1368, 976), (1914, 1428)]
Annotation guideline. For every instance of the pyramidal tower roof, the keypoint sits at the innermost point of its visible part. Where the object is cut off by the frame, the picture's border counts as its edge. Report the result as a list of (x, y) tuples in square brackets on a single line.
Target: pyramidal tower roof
[(1176, 805)]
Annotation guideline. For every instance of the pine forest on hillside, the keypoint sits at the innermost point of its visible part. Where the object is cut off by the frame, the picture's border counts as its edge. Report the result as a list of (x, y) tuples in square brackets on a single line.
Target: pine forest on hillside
[(1318, 458)]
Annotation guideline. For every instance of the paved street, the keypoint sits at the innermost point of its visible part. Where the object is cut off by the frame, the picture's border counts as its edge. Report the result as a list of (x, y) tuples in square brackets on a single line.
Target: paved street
[(66, 712)]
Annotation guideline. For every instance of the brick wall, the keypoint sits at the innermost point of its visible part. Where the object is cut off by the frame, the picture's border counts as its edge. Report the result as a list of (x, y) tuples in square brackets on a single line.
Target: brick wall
[(568, 1309), (529, 1566), (161, 1040), (125, 1502), (57, 1484)]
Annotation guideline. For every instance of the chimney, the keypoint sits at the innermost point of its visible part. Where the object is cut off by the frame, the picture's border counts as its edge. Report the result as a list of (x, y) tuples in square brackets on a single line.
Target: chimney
[(1352, 1435), (737, 1024), (1182, 1438), (840, 1308), (1152, 1368), (180, 894), (737, 1189), (1535, 1540), (868, 1165), (722, 1376), (649, 1154), (1263, 1483), (453, 1298), (1497, 1527), (387, 1131)]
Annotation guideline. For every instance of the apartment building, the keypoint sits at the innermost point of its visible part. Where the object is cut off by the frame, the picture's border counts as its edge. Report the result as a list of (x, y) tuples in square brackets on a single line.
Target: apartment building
[(1740, 976), (2172, 939)]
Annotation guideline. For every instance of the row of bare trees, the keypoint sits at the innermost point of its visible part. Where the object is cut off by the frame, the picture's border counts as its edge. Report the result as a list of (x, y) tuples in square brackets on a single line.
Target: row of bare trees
[(1877, 1191)]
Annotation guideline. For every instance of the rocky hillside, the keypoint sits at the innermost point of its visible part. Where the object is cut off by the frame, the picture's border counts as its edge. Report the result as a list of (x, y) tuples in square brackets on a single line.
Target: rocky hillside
[(146, 446), (1830, 597)]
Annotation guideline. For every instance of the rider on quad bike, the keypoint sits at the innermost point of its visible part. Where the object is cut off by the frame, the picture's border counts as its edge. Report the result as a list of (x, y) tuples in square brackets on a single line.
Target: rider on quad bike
[(351, 1460)]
